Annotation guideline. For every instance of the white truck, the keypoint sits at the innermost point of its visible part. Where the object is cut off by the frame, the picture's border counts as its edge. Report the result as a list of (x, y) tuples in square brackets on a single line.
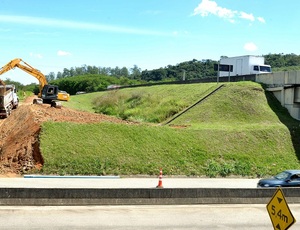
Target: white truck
[(8, 100), (243, 65)]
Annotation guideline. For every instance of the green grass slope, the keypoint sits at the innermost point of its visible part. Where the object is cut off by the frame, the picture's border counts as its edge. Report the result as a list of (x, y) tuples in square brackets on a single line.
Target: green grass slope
[(144, 104), (82, 102), (235, 106), (238, 130)]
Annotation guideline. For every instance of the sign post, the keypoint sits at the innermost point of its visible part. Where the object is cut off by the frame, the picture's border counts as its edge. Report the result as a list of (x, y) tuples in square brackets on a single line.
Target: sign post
[(279, 211)]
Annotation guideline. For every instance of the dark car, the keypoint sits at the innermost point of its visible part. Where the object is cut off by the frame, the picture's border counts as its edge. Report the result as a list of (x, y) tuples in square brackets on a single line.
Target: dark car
[(287, 178)]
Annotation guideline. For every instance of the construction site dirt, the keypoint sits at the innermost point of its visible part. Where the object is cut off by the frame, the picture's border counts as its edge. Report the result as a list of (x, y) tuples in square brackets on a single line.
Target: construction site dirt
[(19, 134)]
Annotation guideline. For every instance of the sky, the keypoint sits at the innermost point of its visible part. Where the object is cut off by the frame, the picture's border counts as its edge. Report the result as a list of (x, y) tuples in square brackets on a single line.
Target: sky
[(57, 34)]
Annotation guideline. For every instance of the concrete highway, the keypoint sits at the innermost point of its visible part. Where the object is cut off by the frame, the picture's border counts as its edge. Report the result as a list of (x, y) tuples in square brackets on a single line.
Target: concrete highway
[(205, 216), (185, 217), (117, 182)]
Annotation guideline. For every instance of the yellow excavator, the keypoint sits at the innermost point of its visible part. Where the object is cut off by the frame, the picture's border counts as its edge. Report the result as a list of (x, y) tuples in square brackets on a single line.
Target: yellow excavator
[(48, 94)]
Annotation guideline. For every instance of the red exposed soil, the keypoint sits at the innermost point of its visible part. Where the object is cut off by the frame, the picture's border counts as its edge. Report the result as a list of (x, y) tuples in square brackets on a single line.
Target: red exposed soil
[(19, 134)]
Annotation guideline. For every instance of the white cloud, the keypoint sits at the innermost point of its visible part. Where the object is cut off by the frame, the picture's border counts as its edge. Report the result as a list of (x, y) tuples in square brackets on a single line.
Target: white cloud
[(50, 22), (207, 7), (63, 53), (39, 56), (250, 46), (247, 16), (261, 19)]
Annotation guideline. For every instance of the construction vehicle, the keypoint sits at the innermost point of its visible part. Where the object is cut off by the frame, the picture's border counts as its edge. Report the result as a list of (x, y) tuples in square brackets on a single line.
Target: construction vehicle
[(8, 99), (48, 94)]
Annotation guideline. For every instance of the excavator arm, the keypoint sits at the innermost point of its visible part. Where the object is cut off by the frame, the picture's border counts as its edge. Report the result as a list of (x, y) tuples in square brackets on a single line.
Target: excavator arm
[(27, 68), (10, 65)]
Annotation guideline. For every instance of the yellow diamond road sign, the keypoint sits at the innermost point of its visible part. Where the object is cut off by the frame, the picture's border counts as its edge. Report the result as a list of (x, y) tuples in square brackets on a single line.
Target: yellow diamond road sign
[(279, 211)]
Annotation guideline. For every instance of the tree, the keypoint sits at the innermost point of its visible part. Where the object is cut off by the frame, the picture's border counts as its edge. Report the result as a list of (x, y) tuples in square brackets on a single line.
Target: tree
[(115, 72), (159, 74), (59, 75), (66, 73), (124, 72), (50, 76), (92, 70), (135, 72), (78, 71), (72, 72), (104, 71)]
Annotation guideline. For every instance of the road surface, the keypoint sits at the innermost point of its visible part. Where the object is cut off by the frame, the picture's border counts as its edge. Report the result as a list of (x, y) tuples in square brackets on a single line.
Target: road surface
[(117, 182), (185, 217)]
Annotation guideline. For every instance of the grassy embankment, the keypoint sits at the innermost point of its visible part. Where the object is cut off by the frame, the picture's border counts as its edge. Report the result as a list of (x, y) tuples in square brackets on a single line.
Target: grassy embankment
[(236, 131)]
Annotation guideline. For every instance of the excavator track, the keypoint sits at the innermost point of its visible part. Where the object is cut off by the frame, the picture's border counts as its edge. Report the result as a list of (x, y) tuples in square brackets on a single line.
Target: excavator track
[(56, 104), (37, 101)]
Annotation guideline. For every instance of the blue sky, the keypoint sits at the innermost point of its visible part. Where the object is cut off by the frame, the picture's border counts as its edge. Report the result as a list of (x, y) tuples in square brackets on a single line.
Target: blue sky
[(52, 35)]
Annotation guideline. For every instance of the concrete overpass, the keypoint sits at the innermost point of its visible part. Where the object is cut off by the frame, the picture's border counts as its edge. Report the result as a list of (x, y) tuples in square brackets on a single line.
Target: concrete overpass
[(286, 88)]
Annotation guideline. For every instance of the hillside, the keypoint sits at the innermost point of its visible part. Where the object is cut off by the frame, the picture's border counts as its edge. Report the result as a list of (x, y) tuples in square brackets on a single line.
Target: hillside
[(234, 131), (19, 136), (239, 130)]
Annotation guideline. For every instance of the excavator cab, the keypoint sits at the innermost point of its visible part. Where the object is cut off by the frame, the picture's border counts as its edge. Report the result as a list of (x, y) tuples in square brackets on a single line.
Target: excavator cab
[(49, 93)]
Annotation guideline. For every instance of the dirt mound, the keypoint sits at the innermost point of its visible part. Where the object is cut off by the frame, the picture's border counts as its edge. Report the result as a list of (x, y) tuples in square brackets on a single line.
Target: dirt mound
[(19, 134)]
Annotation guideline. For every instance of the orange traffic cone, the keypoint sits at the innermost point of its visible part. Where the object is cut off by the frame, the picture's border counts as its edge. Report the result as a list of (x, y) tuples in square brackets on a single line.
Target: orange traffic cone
[(160, 180)]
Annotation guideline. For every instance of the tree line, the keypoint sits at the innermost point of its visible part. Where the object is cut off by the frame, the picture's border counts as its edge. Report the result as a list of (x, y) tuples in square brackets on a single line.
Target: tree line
[(132, 73), (282, 61), (194, 69), (183, 71), (92, 78)]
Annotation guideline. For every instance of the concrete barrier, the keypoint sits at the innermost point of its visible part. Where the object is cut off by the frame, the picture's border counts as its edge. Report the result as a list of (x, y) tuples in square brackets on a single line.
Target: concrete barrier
[(59, 196)]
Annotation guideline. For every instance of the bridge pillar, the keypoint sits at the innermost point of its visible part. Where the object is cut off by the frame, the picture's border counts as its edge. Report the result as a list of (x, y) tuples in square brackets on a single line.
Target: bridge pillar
[(286, 88)]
